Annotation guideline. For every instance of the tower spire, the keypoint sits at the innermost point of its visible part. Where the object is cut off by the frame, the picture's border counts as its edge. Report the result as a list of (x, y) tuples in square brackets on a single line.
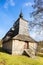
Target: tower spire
[(21, 14)]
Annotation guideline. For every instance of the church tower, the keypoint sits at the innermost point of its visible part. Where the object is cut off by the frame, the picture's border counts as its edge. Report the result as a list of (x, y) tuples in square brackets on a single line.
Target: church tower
[(19, 28), (21, 25)]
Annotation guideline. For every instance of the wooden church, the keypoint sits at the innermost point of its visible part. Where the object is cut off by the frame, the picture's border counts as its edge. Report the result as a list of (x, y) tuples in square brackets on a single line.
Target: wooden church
[(17, 40)]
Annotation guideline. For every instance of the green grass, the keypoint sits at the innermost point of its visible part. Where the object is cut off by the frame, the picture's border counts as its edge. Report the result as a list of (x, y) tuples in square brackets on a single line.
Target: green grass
[(40, 54), (7, 59)]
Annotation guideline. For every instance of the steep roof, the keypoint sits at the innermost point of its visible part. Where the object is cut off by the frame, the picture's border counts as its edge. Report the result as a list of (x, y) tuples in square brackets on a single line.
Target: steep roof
[(13, 34)]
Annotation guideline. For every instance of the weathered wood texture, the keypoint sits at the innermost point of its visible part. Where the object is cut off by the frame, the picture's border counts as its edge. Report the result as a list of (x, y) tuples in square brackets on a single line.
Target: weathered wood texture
[(18, 39), (7, 46), (18, 47), (23, 27)]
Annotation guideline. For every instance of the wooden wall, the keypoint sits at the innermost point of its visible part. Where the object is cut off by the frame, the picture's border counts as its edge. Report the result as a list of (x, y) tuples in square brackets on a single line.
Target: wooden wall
[(18, 47), (23, 27), (8, 46)]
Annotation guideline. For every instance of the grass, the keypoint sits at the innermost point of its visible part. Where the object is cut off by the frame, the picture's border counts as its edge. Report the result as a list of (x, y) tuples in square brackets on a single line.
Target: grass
[(7, 59)]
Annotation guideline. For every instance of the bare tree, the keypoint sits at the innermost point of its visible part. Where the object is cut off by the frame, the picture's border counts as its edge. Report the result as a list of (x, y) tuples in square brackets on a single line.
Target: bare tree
[(37, 14)]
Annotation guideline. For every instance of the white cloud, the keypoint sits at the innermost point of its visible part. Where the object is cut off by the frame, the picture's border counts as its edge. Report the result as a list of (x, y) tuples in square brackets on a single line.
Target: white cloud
[(28, 4), (6, 5), (42, 32), (12, 3), (37, 35), (9, 2)]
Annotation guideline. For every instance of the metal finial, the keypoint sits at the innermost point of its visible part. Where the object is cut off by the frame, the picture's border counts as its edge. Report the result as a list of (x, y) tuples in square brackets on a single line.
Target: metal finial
[(21, 14)]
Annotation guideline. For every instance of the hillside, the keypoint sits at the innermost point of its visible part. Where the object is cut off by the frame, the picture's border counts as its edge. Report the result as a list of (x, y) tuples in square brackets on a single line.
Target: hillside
[(7, 59)]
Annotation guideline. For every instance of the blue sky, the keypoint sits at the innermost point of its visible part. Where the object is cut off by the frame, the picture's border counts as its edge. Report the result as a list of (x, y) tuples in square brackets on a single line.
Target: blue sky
[(9, 12)]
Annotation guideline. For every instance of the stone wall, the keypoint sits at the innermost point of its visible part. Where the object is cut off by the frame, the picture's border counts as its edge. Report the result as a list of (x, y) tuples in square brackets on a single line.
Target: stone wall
[(18, 47), (7, 46)]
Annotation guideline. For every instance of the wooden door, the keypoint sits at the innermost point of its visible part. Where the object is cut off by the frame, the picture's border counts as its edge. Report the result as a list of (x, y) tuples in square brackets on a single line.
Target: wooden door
[(26, 46)]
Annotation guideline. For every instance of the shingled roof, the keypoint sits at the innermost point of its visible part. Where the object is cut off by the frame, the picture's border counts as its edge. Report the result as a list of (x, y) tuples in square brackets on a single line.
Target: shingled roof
[(23, 38)]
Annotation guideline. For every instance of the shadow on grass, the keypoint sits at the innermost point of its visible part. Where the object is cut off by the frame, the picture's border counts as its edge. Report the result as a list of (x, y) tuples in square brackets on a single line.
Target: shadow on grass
[(1, 50), (24, 53)]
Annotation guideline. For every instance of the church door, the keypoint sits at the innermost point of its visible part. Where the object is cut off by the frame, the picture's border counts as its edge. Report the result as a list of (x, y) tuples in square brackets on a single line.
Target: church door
[(26, 46)]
